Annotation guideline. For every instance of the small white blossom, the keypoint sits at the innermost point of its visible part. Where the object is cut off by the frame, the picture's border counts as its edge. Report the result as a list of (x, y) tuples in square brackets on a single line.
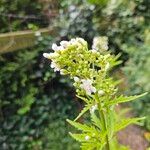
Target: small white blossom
[(78, 42), (50, 55), (64, 44), (74, 42), (55, 66), (107, 66), (101, 92), (76, 79), (93, 108), (37, 33), (94, 51), (55, 47), (81, 40), (46, 55), (100, 43), (87, 137), (87, 86)]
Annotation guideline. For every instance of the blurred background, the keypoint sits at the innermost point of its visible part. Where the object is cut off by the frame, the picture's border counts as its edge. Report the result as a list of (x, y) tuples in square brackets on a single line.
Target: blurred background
[(34, 101)]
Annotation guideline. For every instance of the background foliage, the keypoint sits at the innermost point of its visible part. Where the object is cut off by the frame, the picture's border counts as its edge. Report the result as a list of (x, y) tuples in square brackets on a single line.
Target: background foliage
[(125, 23), (34, 102), (138, 72)]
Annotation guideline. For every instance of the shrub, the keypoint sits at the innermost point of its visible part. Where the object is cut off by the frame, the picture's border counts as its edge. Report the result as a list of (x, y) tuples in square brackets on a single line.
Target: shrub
[(138, 72), (31, 104)]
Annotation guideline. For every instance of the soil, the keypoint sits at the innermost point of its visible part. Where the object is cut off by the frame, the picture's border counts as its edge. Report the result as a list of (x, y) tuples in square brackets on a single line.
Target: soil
[(133, 136)]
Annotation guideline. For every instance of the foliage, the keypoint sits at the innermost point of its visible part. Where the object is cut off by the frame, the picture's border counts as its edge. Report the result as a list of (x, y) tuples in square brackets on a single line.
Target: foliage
[(19, 15), (138, 72), (119, 20), (27, 100), (29, 93), (90, 71)]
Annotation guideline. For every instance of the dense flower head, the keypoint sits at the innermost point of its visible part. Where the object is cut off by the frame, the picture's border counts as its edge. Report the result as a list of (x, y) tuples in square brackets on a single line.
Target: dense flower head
[(87, 67), (100, 43)]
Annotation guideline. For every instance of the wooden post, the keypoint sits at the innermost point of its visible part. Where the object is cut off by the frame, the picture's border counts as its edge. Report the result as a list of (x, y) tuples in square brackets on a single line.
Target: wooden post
[(21, 39)]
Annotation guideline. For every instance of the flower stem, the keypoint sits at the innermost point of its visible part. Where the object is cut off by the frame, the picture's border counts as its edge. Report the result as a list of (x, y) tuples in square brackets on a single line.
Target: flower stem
[(103, 119)]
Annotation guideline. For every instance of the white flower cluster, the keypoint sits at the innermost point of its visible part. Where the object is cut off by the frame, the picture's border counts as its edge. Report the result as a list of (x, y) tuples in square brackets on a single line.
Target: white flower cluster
[(87, 86), (78, 47), (100, 43), (63, 46)]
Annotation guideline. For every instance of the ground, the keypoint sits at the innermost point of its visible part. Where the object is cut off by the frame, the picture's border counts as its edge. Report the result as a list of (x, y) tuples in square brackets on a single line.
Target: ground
[(133, 136)]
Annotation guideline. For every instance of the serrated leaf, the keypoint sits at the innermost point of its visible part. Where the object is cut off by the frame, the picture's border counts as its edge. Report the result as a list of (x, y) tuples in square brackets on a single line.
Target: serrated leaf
[(110, 123), (79, 126), (123, 99), (96, 121), (84, 110), (78, 137), (125, 122), (88, 146), (84, 99)]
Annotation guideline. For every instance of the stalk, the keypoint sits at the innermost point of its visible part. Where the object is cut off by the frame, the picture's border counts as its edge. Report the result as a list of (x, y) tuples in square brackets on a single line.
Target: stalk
[(103, 119)]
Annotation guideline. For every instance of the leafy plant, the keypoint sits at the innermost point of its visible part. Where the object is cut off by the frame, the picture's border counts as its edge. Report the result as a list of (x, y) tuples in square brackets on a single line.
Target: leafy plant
[(138, 72), (29, 93), (19, 15), (90, 71)]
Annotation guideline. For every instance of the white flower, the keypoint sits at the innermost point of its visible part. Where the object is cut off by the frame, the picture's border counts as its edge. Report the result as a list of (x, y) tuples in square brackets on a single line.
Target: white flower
[(93, 108), (57, 48), (46, 55), (74, 42), (81, 40), (37, 33), (50, 55), (76, 79), (101, 92), (100, 43), (87, 137), (55, 66), (87, 86), (64, 44), (107, 66), (78, 42), (105, 46), (54, 47), (94, 51)]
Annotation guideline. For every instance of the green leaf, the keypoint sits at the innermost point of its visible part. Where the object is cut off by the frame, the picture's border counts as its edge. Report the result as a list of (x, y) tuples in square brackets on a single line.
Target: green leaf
[(88, 146), (96, 121), (78, 137), (125, 122), (84, 99), (79, 126), (123, 99), (111, 122), (84, 110)]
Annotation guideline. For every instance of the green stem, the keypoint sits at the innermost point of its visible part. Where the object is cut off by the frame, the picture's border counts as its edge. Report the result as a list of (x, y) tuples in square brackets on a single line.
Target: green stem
[(103, 119)]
